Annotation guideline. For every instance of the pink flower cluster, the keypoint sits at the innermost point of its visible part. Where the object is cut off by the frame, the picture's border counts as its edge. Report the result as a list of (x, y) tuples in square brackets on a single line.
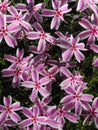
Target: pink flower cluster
[(38, 71)]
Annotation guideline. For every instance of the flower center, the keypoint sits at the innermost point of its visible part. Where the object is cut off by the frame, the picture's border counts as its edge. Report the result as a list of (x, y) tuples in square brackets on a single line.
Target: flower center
[(34, 119), (19, 61), (77, 96), (18, 71), (34, 9), (93, 112), (72, 78), (37, 85), (95, 30), (43, 35), (58, 13), (3, 7), (17, 18), (9, 109), (51, 76), (60, 112), (73, 47), (3, 31)]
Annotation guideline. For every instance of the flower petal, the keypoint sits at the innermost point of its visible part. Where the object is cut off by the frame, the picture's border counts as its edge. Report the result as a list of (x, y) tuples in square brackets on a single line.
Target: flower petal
[(80, 5), (85, 24), (84, 34), (7, 101), (71, 117), (26, 123), (48, 13), (43, 92), (66, 56), (28, 84), (10, 40), (67, 99), (27, 112), (87, 97), (55, 4), (8, 72), (16, 106), (35, 111), (33, 35), (10, 58), (15, 117), (38, 27), (95, 103)]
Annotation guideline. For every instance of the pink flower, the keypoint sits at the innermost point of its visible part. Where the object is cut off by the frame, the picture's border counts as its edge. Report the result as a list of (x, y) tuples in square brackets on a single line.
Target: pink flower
[(17, 18), (18, 69), (7, 30), (41, 35), (31, 10), (8, 110), (71, 79), (62, 113), (33, 117), (91, 113), (18, 73), (87, 4), (76, 99), (19, 60), (4, 6), (91, 31), (57, 13), (7, 122), (71, 47), (37, 84)]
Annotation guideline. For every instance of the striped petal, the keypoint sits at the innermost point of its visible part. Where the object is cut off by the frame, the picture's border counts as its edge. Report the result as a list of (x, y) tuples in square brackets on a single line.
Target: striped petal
[(14, 117), (66, 56), (48, 13), (7, 101), (86, 24), (10, 40), (26, 123), (33, 35)]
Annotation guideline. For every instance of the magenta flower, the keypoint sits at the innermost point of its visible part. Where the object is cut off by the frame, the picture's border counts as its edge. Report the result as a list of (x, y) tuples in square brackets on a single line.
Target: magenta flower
[(18, 73), (91, 30), (62, 113), (76, 99), (41, 35), (71, 79), (71, 47), (33, 118), (57, 13), (17, 18), (31, 10), (87, 4), (58, 115), (37, 84), (4, 5), (19, 60), (8, 110), (91, 113), (50, 76), (50, 73), (7, 30), (19, 67), (8, 123)]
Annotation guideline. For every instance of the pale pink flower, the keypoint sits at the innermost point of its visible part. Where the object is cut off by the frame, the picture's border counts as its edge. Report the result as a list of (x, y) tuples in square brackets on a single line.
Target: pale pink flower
[(57, 13)]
